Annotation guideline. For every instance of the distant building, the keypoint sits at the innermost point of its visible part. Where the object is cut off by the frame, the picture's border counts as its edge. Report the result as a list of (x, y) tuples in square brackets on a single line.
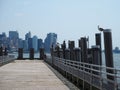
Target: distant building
[(30, 43), (27, 35), (0, 40), (13, 42), (35, 43), (20, 43), (116, 50), (40, 43), (25, 45), (13, 37), (50, 40), (3, 40)]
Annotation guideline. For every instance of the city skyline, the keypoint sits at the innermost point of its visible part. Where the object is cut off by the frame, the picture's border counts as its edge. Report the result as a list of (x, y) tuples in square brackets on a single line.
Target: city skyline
[(25, 36), (69, 19), (13, 42)]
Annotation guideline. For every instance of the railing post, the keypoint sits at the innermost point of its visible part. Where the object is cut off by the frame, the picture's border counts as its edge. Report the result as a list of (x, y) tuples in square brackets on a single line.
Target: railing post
[(83, 76), (115, 81), (101, 79), (91, 77)]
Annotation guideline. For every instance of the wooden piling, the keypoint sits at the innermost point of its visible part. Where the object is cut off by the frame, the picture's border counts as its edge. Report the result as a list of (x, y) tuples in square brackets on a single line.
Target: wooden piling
[(96, 58), (31, 54), (77, 54), (89, 56), (20, 53), (42, 55), (98, 43), (63, 46), (71, 45), (95, 55), (52, 55), (83, 45), (67, 54), (61, 53), (1, 51), (108, 51), (58, 51)]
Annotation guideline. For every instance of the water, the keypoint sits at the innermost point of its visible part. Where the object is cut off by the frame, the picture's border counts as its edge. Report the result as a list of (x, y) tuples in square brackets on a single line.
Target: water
[(25, 55), (116, 58)]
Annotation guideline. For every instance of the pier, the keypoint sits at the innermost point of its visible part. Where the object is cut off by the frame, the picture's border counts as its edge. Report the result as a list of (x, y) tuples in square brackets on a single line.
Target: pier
[(30, 75), (80, 65)]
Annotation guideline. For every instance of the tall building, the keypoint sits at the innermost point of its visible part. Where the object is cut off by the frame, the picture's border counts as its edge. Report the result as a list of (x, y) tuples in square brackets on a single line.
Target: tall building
[(13, 37), (35, 43), (50, 40), (3, 40), (0, 40), (30, 43), (27, 35), (40, 43), (20, 43), (25, 45)]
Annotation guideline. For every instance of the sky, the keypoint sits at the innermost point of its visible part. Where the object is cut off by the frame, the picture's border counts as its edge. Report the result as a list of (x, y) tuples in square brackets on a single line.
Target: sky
[(69, 19)]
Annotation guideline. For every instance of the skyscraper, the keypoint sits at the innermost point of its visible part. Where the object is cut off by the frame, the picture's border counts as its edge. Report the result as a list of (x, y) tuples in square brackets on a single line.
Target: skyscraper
[(20, 43), (40, 43), (3, 40), (25, 45), (30, 43), (27, 36), (35, 43), (50, 40), (13, 37)]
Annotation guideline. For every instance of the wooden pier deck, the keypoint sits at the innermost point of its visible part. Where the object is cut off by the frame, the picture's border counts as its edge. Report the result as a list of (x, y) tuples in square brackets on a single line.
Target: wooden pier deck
[(29, 75)]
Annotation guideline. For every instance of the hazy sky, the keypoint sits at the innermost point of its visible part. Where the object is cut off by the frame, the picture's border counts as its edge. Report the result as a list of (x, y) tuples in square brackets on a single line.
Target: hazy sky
[(70, 19)]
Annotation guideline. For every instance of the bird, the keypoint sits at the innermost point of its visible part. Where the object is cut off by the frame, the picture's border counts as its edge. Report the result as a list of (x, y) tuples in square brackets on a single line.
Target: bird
[(100, 29)]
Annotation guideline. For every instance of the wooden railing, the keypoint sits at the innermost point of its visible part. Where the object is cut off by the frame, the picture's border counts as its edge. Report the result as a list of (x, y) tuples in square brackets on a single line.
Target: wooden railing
[(94, 75), (6, 59)]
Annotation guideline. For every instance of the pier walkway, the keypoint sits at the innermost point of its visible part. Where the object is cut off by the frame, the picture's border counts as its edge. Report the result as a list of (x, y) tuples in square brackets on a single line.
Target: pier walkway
[(29, 75)]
